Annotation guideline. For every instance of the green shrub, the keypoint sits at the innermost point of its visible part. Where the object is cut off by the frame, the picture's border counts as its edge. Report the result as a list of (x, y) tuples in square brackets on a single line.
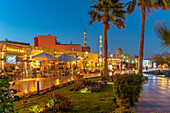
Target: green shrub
[(7, 96), (127, 88)]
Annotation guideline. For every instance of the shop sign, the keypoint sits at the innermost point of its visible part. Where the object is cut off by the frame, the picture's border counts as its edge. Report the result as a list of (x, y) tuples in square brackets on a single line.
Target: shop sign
[(15, 50)]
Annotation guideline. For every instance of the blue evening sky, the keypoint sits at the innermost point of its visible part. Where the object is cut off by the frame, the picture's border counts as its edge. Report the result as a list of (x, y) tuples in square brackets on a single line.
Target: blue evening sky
[(22, 20)]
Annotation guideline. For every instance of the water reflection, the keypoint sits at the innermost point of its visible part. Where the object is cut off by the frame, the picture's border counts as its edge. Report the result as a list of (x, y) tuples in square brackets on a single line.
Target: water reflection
[(30, 85)]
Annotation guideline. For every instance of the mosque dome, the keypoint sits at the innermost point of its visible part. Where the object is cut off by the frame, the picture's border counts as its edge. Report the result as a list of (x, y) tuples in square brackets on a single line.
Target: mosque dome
[(119, 51)]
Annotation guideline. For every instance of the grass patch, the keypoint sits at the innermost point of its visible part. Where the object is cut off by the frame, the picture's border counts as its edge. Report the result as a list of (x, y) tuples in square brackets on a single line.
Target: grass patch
[(92, 102)]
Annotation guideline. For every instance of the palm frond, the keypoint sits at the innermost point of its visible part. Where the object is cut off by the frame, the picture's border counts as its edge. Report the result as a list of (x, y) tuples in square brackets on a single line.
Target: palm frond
[(118, 23), (108, 10), (163, 33), (131, 6), (164, 4), (94, 16)]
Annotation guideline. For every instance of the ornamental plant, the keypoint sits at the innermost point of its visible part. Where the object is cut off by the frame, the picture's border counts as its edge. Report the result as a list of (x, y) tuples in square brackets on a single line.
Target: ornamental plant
[(90, 86), (62, 104), (7, 96), (127, 88)]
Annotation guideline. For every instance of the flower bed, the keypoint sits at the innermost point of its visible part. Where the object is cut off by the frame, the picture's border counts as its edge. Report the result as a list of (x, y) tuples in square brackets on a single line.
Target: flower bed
[(90, 86), (62, 104)]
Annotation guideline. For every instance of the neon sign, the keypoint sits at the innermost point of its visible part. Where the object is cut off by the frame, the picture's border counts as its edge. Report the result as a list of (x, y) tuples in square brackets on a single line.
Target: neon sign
[(15, 50)]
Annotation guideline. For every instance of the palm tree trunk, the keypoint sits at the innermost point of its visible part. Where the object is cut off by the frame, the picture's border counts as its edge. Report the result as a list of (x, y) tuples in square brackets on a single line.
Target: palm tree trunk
[(105, 51), (141, 41)]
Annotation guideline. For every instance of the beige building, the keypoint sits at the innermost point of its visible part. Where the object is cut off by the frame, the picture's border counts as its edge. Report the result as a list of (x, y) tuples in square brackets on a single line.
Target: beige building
[(19, 55)]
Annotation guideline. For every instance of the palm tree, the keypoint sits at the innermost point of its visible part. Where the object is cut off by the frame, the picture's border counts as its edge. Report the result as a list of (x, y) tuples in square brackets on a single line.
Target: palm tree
[(145, 5), (106, 11), (163, 33)]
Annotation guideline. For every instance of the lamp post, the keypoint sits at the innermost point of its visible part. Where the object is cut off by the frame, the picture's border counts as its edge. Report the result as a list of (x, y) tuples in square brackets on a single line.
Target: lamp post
[(38, 86)]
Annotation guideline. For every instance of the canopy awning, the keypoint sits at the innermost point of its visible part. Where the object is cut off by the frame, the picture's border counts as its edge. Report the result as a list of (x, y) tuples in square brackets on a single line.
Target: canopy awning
[(44, 56), (66, 58)]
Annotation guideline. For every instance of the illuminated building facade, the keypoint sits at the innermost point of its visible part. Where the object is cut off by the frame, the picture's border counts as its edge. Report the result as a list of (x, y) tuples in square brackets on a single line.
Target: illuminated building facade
[(123, 61), (19, 55)]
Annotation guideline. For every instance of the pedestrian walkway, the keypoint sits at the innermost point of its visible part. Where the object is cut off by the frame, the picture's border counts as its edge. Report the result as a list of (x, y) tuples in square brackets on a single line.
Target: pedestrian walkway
[(155, 96), (30, 85)]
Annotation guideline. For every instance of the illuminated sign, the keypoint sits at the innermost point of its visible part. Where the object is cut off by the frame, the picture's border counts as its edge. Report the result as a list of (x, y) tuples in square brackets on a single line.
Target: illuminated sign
[(146, 63), (113, 63), (87, 65), (15, 50), (38, 62), (10, 59)]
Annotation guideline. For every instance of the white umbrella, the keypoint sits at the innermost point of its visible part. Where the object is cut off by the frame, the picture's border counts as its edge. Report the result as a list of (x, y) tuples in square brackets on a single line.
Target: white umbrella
[(44, 56), (66, 58)]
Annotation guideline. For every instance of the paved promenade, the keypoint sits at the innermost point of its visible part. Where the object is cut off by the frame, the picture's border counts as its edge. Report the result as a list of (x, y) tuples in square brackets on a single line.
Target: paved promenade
[(155, 96), (30, 85)]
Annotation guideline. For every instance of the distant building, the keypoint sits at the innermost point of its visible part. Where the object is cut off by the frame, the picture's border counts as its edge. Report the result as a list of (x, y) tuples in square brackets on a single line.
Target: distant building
[(123, 60), (49, 41)]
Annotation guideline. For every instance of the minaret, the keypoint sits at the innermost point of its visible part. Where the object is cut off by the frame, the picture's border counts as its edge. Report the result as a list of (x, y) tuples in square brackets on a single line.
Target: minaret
[(85, 43), (100, 52)]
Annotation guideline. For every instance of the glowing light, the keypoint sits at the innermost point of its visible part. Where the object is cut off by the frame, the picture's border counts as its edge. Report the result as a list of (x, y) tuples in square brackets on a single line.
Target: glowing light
[(100, 60), (15, 50), (57, 82), (86, 52), (37, 79)]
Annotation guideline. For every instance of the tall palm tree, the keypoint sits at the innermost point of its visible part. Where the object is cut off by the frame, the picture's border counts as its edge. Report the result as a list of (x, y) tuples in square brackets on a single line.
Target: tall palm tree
[(163, 33), (106, 11), (145, 5)]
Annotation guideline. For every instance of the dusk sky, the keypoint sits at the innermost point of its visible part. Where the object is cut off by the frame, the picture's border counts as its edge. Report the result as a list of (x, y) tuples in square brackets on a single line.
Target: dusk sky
[(22, 20)]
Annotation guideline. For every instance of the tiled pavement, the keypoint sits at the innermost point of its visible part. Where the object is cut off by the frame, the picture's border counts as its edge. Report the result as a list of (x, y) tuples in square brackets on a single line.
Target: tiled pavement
[(155, 97)]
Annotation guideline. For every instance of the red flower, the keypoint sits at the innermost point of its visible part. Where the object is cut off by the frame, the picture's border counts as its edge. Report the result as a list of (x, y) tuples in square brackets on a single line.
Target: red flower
[(66, 98), (66, 104), (61, 105), (58, 97), (55, 110), (63, 95)]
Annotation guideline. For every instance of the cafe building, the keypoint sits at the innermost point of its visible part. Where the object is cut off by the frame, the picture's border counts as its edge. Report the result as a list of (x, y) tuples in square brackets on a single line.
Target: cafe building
[(18, 56)]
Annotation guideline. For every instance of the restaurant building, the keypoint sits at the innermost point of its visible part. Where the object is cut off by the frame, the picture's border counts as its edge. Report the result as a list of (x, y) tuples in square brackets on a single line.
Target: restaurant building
[(19, 55)]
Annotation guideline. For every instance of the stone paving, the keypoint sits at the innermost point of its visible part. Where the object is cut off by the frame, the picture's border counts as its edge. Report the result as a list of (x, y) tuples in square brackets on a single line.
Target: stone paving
[(155, 97)]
